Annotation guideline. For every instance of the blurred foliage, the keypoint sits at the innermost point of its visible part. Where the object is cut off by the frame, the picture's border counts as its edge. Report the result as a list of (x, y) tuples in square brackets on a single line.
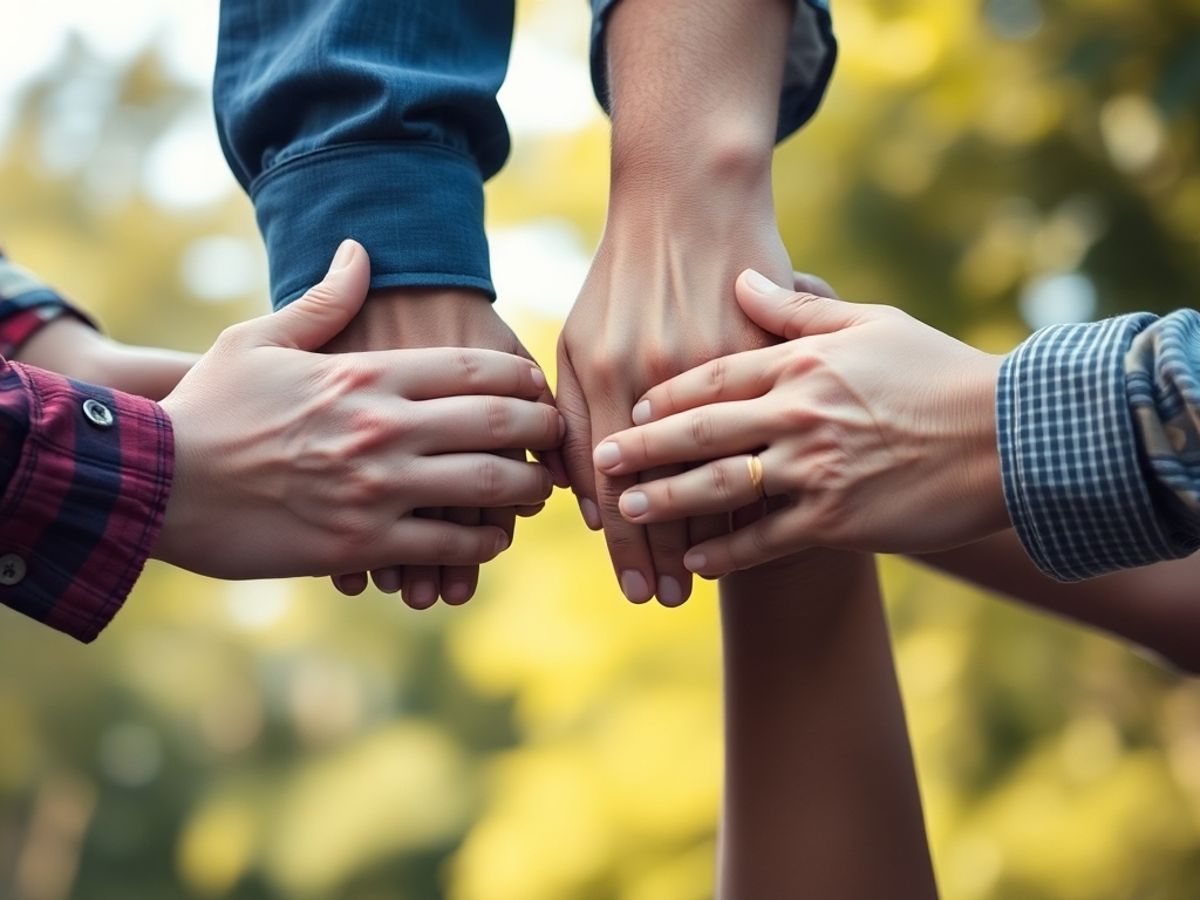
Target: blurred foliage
[(549, 742)]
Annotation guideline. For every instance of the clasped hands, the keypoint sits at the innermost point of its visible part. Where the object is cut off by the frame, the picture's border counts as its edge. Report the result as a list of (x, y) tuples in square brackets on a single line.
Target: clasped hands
[(874, 432)]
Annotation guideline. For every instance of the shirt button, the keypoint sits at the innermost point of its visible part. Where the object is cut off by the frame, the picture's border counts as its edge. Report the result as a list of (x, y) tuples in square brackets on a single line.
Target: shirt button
[(98, 414), (12, 569)]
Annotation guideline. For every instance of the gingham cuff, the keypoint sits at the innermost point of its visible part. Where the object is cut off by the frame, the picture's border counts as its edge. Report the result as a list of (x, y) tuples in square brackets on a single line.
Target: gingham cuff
[(1070, 461)]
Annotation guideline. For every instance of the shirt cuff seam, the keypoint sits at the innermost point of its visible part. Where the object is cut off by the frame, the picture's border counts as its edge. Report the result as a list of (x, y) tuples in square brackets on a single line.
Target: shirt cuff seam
[(309, 158)]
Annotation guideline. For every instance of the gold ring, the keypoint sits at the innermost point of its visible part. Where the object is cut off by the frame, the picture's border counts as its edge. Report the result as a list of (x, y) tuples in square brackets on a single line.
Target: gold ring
[(754, 464)]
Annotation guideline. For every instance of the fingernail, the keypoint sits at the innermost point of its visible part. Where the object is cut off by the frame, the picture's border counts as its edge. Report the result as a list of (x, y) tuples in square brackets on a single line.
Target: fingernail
[(633, 585), (562, 428), (760, 283), (670, 592), (423, 595), (590, 512), (641, 413), (502, 542), (387, 581), (457, 592), (695, 561), (539, 379), (341, 259), (607, 455), (634, 503)]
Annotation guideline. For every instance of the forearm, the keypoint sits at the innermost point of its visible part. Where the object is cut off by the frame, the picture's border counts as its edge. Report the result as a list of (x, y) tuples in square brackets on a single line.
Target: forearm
[(85, 478), (819, 772), (1154, 607), (694, 92), (367, 118)]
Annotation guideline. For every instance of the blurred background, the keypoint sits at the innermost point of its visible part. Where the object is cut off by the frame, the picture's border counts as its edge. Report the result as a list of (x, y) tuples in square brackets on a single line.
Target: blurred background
[(989, 165)]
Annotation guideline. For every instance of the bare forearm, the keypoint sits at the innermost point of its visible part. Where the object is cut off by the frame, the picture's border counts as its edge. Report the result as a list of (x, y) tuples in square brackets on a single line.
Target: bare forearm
[(695, 83), (1154, 607), (819, 772)]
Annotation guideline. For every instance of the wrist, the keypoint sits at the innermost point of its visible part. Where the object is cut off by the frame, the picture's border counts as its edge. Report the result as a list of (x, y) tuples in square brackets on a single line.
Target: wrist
[(727, 171), (977, 413)]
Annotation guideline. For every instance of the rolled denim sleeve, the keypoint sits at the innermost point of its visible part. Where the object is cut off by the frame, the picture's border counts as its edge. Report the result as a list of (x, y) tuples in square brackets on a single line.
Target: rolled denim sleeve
[(1099, 437), (367, 119), (812, 53)]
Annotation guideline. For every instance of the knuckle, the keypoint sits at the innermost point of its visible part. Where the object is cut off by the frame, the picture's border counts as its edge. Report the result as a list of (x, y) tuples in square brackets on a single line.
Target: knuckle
[(700, 427), (659, 363), (489, 481), (606, 368), (722, 481), (471, 366), (499, 420), (717, 375)]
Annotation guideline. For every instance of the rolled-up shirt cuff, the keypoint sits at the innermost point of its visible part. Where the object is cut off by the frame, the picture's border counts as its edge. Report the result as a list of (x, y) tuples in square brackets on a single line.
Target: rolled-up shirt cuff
[(1071, 465), (416, 207), (812, 53), (85, 502)]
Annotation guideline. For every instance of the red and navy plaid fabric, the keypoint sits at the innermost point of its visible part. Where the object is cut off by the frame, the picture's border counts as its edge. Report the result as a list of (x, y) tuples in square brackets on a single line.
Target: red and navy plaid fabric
[(84, 478)]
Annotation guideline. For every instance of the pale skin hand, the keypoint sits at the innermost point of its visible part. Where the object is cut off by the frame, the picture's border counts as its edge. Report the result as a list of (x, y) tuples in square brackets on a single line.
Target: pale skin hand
[(691, 206), (293, 462), (875, 432), (73, 348), (447, 318)]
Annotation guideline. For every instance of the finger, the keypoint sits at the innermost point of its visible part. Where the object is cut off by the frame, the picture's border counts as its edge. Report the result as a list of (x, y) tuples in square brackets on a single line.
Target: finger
[(627, 543), (722, 486), (388, 579), (741, 376), (505, 517), (780, 311), (668, 542), (807, 283), (528, 512), (352, 584), (577, 441), (475, 479), (459, 583), (706, 528), (324, 310), (451, 424), (722, 429), (430, 372), (421, 584), (771, 537), (552, 459), (422, 541)]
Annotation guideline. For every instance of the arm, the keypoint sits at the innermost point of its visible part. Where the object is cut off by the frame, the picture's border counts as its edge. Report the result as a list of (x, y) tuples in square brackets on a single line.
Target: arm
[(882, 434), (694, 88), (42, 329), (317, 470), (379, 120), (1154, 607), (821, 797)]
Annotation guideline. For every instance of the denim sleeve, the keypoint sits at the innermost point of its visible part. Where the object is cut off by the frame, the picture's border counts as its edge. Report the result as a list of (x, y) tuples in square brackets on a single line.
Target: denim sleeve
[(1099, 434), (812, 53), (368, 119)]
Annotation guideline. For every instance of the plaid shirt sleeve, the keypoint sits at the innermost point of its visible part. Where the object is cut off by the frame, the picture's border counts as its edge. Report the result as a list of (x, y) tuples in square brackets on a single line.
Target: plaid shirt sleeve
[(84, 478), (1099, 435)]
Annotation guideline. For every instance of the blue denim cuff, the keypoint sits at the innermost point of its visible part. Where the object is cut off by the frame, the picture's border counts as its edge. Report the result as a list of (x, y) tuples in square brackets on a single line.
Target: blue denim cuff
[(417, 208), (1069, 454), (812, 53)]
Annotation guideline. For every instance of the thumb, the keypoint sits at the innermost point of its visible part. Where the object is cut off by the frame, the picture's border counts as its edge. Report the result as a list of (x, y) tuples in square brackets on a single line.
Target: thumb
[(777, 310), (326, 308)]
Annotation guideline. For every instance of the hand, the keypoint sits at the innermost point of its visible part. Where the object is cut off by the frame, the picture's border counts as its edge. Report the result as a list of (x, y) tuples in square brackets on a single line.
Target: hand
[(292, 462), (75, 349), (874, 431), (658, 301), (434, 317)]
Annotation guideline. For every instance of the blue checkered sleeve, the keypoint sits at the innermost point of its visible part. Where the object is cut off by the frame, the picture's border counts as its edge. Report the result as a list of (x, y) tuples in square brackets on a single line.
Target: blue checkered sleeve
[(1099, 435)]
